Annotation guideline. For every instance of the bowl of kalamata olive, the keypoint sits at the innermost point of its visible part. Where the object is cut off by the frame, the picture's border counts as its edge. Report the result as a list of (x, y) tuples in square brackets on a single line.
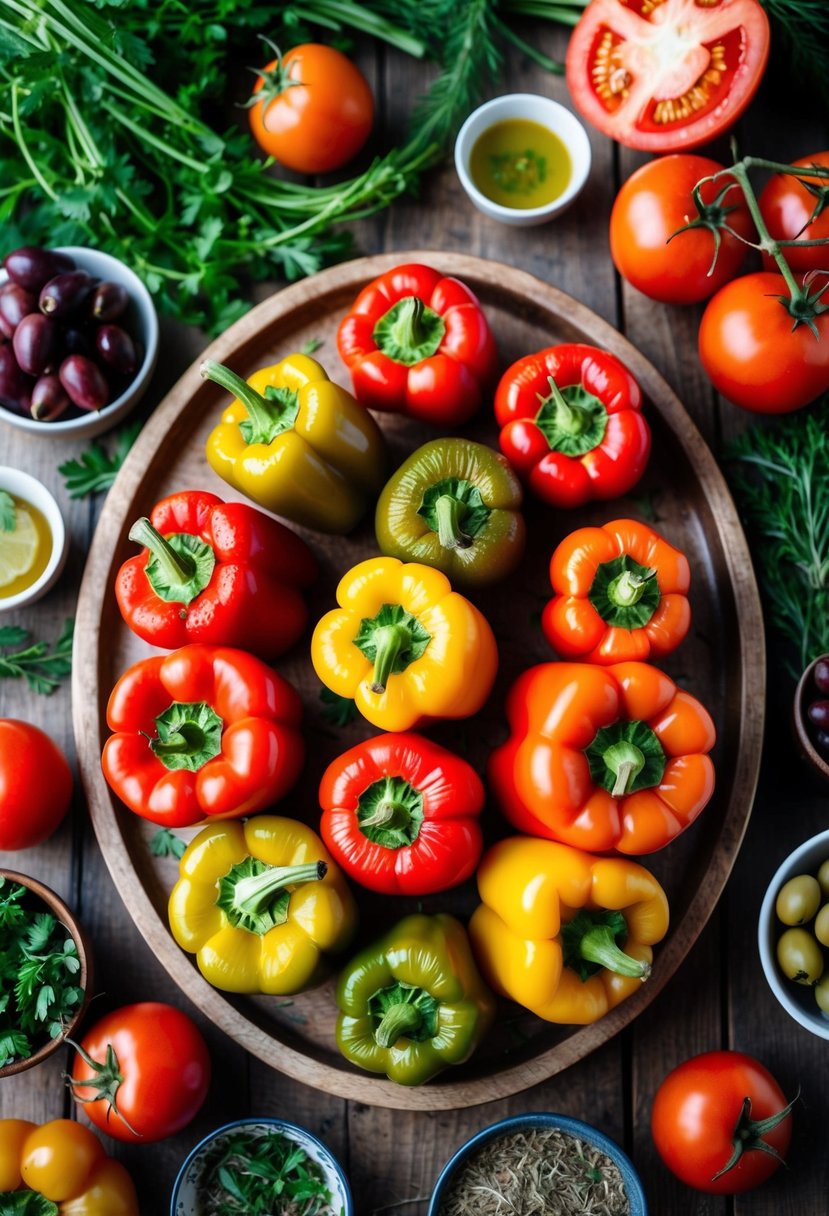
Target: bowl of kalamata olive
[(811, 715), (78, 340)]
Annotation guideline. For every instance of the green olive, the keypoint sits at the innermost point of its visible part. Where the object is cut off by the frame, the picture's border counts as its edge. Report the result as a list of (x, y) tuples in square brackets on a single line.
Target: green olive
[(823, 878), (822, 993), (800, 956), (798, 900), (821, 925)]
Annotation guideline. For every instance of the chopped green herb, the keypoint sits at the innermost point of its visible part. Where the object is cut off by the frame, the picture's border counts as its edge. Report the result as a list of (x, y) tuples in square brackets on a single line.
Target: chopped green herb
[(339, 711), (40, 666), (97, 469), (166, 844), (26, 1203), (262, 1174), (311, 346), (38, 968), (519, 173), (8, 512)]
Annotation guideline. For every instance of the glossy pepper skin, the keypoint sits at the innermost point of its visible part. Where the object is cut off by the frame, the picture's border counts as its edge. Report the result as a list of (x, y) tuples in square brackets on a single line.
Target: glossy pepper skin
[(417, 343), (572, 425), (66, 1164), (621, 593), (565, 934), (404, 645), (297, 444), (413, 1002), (454, 505), (603, 757), (400, 815), (261, 904), (216, 572), (204, 732)]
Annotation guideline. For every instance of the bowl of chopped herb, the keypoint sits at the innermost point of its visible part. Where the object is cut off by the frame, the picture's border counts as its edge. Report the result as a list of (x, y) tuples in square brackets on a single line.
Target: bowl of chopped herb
[(45, 972), (539, 1163), (262, 1167)]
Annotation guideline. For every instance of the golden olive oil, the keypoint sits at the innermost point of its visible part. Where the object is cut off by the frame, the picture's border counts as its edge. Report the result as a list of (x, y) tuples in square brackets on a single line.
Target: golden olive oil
[(25, 549), (519, 163)]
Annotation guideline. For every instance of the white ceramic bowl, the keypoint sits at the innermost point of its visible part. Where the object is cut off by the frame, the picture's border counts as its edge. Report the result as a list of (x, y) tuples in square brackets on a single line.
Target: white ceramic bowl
[(535, 108), (798, 1000), (23, 485), (142, 323), (184, 1200)]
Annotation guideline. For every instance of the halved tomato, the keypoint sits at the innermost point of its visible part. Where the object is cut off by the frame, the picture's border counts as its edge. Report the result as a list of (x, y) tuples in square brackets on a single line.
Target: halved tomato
[(666, 75)]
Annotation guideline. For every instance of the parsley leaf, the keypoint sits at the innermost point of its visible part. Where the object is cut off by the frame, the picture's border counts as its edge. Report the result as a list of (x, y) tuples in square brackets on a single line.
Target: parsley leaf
[(41, 666), (97, 469), (166, 844), (8, 512)]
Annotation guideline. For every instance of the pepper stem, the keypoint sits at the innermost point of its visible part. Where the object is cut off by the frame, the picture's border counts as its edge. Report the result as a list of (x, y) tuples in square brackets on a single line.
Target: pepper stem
[(387, 815), (175, 566), (179, 567), (569, 417), (588, 944), (625, 761), (599, 946), (450, 512), (629, 587), (390, 640), (409, 332), (253, 894), (398, 1020), (268, 416)]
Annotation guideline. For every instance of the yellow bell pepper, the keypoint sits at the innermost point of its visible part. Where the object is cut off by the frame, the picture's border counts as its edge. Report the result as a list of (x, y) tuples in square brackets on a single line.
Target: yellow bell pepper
[(261, 904), (297, 444), (404, 646), (550, 931)]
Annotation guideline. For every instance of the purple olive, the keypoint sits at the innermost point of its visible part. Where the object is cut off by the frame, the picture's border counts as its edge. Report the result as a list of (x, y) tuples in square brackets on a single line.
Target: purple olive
[(63, 295), (31, 267), (37, 344), (84, 382), (821, 675), (117, 349), (15, 385), (15, 304), (49, 399), (818, 713), (78, 342), (108, 302)]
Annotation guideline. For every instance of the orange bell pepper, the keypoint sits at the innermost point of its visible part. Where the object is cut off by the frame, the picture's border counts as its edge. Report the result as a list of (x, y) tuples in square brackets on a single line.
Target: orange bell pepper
[(620, 594), (603, 757)]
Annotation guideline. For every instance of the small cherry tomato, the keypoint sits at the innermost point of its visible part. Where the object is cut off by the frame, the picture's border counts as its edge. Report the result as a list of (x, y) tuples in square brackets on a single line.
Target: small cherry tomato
[(703, 1122), (316, 110), (652, 247), (755, 355), (57, 1158), (787, 205), (35, 785)]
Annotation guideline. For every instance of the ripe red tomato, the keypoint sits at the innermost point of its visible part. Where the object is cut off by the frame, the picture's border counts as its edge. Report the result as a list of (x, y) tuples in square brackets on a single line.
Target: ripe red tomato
[(35, 785), (786, 205), (666, 77), (696, 1114), (754, 356), (654, 203), (316, 112), (150, 1074)]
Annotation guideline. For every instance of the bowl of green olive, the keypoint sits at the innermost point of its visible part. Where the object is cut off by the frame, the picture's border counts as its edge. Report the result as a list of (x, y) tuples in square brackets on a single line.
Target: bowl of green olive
[(793, 934)]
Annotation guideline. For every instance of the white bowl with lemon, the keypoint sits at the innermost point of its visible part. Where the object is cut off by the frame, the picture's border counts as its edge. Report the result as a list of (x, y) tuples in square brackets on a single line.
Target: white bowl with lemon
[(33, 541)]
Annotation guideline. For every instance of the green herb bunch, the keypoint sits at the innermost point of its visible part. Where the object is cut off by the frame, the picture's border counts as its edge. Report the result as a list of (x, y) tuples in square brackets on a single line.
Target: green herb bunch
[(41, 664), (39, 966), (263, 1174)]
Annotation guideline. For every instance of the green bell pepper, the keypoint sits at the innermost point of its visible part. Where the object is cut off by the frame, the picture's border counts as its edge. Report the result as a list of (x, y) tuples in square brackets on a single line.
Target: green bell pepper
[(413, 1002), (454, 505)]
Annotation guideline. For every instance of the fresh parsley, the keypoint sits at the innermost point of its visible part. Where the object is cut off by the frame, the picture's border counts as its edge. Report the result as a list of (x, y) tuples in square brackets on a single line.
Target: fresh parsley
[(8, 512), (166, 844), (40, 664), (97, 469), (39, 966), (263, 1174)]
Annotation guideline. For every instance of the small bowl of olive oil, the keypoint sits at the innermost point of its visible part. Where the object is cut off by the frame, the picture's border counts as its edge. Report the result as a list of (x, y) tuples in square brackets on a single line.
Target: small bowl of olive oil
[(33, 540), (522, 158)]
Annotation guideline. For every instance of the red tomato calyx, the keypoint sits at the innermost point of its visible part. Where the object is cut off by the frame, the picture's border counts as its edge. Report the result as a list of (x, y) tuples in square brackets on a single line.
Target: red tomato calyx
[(748, 1134), (712, 216), (105, 1084)]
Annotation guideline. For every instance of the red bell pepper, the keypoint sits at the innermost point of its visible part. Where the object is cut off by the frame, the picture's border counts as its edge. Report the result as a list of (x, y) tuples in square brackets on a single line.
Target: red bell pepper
[(215, 572), (572, 424), (417, 343), (400, 815), (203, 733)]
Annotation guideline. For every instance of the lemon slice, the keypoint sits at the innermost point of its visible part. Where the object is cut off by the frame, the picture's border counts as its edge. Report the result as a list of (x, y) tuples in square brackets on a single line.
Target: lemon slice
[(18, 548)]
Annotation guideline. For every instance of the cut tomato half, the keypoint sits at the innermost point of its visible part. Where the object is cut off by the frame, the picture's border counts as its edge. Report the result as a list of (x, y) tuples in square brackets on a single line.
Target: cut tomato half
[(666, 75)]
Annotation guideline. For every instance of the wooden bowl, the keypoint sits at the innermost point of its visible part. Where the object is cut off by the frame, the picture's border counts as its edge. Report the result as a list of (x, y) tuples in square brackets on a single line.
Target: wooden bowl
[(804, 694), (58, 909)]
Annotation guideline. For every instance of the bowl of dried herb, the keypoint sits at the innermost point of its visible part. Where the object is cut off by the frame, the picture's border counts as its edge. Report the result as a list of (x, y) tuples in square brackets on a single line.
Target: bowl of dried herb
[(262, 1167), (45, 972), (539, 1163)]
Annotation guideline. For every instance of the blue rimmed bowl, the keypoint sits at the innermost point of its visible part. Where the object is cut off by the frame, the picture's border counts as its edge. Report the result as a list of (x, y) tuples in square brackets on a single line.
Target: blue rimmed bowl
[(185, 1198), (533, 1122)]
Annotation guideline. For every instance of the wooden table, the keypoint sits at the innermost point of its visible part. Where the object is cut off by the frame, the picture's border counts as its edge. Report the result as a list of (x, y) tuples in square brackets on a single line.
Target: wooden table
[(719, 997)]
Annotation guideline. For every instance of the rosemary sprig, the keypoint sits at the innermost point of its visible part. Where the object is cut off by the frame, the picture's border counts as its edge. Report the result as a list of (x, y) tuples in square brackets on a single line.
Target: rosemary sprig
[(42, 666)]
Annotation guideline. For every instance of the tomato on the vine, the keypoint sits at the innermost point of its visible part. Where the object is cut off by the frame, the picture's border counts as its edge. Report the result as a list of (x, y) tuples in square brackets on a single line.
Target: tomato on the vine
[(666, 77), (753, 352), (35, 785), (704, 1120), (142, 1073), (311, 109), (787, 205), (656, 204)]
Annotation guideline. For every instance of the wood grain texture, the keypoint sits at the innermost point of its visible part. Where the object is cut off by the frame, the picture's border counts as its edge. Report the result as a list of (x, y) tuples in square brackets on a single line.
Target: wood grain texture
[(526, 314)]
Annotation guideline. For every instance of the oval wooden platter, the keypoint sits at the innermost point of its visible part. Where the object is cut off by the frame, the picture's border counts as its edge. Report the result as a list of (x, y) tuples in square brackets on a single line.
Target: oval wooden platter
[(722, 662)]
